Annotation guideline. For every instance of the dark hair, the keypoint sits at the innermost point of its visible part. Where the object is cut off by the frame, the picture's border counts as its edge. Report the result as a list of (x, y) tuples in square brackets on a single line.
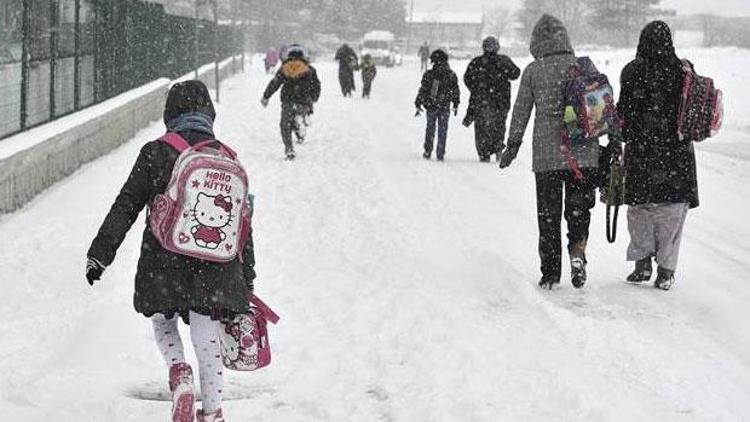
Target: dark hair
[(439, 56), (187, 97)]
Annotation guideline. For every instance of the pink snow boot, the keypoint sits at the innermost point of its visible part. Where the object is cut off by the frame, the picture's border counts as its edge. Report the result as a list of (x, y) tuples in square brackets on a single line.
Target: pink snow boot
[(183, 397), (216, 416)]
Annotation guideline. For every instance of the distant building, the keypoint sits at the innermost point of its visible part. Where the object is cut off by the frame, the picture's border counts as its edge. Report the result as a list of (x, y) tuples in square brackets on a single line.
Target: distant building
[(445, 29)]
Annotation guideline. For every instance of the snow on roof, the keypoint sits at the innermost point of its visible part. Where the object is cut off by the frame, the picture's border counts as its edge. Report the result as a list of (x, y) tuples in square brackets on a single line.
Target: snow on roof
[(447, 17)]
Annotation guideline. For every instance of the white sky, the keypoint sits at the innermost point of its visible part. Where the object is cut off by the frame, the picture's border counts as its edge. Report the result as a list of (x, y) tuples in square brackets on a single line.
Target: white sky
[(683, 7)]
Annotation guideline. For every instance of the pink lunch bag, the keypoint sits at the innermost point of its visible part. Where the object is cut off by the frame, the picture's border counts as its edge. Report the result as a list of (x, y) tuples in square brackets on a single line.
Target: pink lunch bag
[(244, 340)]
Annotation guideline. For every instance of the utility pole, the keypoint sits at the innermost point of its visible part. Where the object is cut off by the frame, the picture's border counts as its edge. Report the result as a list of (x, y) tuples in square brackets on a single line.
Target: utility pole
[(196, 63), (216, 47), (25, 58), (77, 57), (409, 25)]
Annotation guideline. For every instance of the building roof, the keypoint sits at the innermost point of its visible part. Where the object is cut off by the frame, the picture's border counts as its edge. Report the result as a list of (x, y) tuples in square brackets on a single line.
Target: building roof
[(447, 17)]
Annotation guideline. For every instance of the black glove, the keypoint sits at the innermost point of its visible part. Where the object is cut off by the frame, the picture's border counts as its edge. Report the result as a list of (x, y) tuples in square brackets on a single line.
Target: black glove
[(94, 270), (508, 156)]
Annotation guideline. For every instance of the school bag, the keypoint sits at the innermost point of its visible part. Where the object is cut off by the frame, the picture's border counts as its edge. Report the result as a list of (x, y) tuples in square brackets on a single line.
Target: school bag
[(244, 340), (701, 106), (612, 188), (589, 109), (204, 213)]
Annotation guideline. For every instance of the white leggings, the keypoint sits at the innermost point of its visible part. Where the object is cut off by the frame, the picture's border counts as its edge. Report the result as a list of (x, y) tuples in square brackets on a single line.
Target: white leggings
[(204, 333)]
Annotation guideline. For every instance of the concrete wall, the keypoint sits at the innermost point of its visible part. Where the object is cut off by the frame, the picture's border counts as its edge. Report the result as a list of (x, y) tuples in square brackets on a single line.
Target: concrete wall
[(64, 145)]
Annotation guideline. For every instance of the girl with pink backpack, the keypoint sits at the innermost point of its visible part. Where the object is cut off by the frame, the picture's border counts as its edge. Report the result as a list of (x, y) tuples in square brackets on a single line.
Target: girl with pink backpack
[(197, 260)]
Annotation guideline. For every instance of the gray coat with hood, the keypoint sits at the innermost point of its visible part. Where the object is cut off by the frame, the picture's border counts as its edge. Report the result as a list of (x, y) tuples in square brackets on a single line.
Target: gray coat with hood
[(541, 88)]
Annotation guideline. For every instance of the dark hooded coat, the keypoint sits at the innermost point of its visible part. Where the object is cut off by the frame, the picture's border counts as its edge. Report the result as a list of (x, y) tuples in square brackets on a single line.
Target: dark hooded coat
[(660, 168), (348, 63), (298, 81), (165, 282), (488, 79), (541, 89), (444, 79)]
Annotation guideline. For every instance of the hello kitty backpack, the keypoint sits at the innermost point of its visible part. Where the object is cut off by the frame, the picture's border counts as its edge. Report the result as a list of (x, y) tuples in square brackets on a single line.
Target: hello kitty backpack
[(204, 212), (244, 340)]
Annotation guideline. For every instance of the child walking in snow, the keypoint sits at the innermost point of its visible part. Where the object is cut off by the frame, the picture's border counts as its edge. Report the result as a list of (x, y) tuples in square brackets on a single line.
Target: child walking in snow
[(170, 285), (438, 90), (368, 74), (662, 182), (300, 89)]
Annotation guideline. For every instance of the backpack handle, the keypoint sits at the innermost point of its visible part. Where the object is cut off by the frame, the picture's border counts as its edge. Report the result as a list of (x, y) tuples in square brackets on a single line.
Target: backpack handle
[(223, 148), (263, 309), (176, 141)]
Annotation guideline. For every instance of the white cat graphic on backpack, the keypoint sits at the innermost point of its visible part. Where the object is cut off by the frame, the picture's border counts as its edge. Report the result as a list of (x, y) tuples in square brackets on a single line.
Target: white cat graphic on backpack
[(204, 212)]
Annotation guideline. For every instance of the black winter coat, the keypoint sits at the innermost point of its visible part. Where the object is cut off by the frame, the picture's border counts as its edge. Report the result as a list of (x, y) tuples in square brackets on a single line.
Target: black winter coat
[(298, 81), (445, 80), (165, 282), (660, 168), (488, 79), (347, 59)]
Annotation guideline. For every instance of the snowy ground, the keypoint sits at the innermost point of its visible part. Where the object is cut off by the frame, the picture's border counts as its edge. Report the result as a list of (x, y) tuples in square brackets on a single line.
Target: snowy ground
[(407, 289)]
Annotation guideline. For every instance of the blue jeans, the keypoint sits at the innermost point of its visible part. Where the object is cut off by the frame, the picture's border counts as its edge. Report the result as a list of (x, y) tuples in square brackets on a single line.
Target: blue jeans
[(439, 117)]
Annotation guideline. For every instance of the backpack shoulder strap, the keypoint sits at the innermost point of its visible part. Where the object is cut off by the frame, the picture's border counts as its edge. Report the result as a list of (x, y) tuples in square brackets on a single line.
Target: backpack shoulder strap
[(176, 141)]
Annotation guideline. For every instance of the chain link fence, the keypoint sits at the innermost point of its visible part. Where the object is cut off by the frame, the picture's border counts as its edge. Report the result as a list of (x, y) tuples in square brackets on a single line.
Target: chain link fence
[(60, 56)]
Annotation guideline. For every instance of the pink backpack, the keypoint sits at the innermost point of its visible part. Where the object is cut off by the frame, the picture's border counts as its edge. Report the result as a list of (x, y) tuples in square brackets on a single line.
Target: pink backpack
[(701, 106), (244, 340), (204, 212)]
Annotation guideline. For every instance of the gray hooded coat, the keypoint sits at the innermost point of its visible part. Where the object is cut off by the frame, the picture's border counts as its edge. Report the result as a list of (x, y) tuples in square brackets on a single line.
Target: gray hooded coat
[(541, 88)]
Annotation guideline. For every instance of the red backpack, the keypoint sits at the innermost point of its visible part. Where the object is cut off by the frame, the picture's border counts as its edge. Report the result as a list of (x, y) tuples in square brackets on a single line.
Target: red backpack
[(701, 106)]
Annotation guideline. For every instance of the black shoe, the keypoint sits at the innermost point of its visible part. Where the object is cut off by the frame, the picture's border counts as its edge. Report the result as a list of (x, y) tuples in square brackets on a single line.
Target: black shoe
[(484, 158), (440, 158), (290, 155), (578, 270), (547, 282), (642, 271), (664, 279), (499, 154), (426, 155)]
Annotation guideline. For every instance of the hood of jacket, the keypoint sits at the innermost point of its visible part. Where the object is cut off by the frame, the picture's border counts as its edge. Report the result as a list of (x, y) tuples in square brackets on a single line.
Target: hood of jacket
[(655, 44), (295, 68), (549, 37), (188, 97)]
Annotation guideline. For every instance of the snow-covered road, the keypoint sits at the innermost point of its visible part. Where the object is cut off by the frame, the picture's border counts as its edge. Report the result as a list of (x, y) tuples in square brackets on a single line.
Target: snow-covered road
[(407, 288)]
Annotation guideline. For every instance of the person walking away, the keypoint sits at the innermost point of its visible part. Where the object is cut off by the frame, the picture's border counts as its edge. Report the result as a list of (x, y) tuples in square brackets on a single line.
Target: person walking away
[(488, 80), (661, 182), (169, 285), (439, 89), (424, 57), (348, 63), (300, 89), (271, 60), (557, 188), (369, 71)]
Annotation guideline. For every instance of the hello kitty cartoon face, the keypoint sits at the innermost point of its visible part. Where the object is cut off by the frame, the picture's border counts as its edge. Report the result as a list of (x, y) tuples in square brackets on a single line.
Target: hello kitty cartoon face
[(230, 349), (213, 211)]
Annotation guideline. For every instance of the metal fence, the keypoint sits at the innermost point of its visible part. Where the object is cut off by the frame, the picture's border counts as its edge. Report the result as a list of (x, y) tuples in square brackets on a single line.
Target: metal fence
[(59, 56)]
